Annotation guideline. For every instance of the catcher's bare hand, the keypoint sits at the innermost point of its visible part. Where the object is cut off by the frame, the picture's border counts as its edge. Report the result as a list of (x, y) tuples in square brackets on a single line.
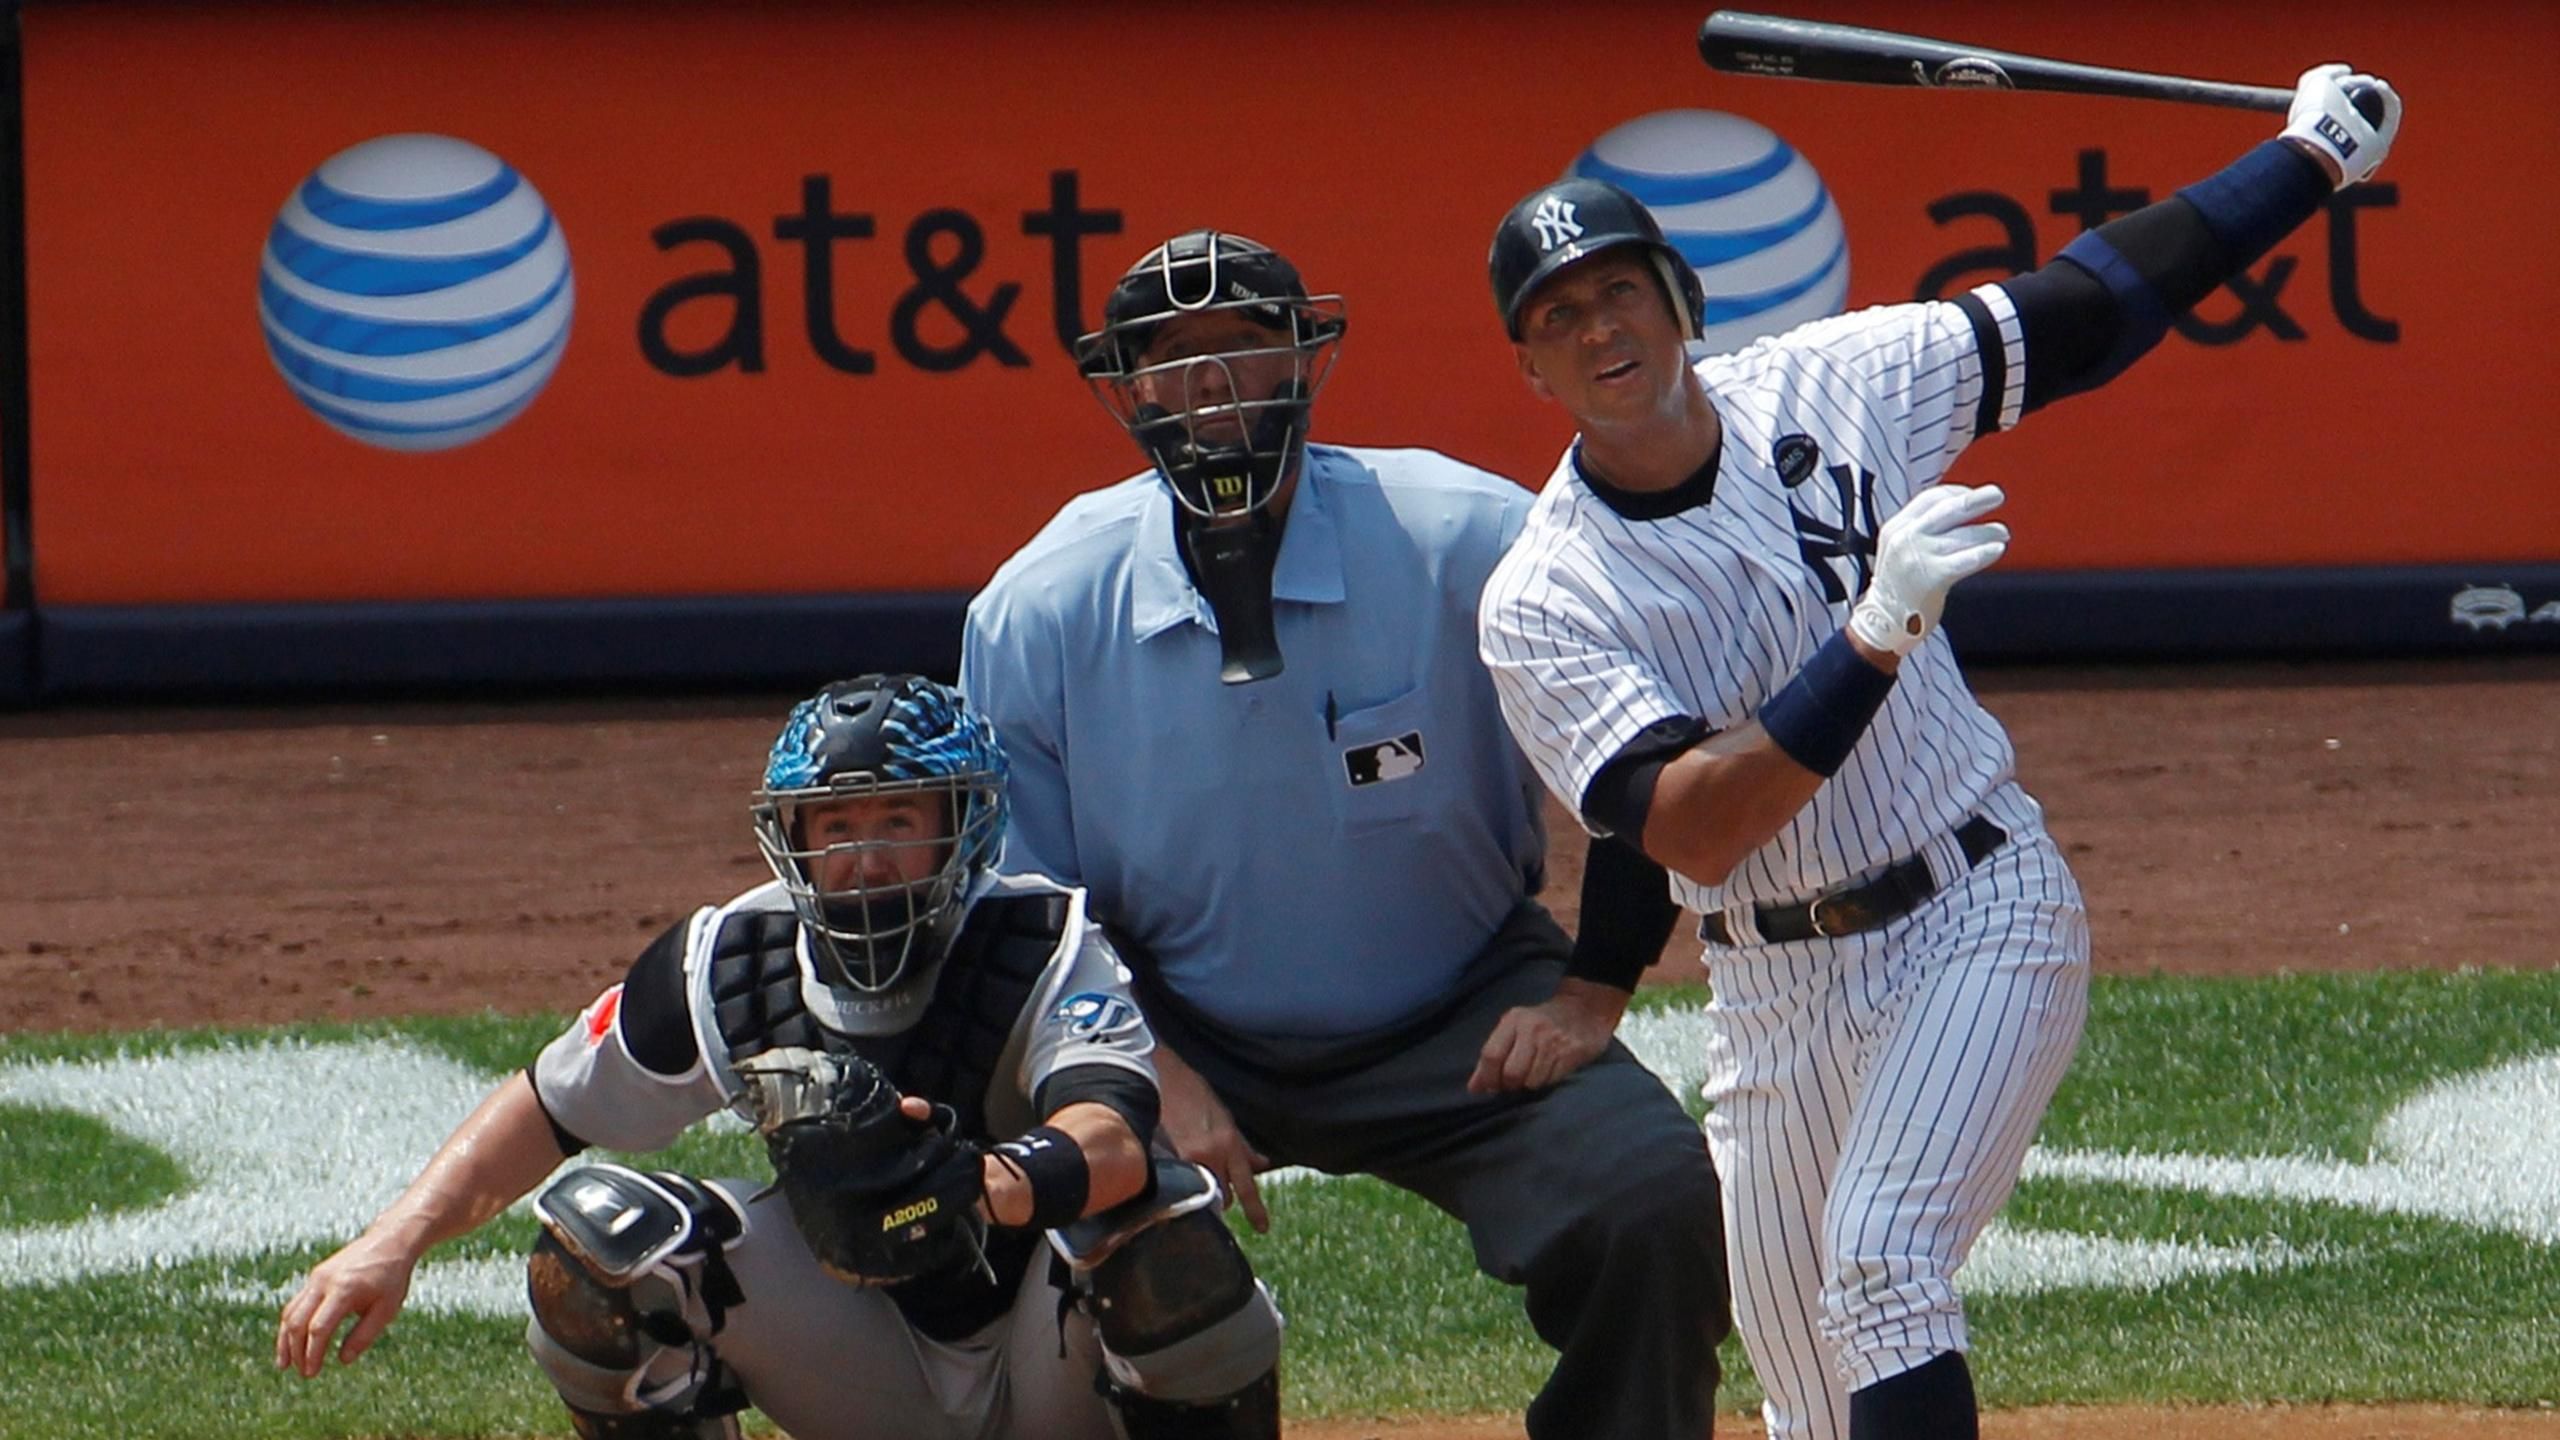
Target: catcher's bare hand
[(367, 1281), (1201, 1131), (1534, 1046)]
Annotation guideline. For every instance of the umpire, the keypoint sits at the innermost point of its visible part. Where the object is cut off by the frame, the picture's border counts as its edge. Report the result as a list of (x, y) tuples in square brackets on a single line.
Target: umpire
[(1242, 700)]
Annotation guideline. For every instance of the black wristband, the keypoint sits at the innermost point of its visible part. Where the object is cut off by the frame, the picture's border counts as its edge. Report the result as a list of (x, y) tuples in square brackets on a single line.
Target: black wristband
[(1053, 1165)]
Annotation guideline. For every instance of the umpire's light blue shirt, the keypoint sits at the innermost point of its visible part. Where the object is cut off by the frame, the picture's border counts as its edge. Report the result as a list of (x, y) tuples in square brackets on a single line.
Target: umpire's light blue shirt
[(1313, 855)]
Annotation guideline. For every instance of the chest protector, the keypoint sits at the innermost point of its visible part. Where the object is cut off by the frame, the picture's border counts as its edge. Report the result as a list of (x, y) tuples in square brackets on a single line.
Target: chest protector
[(949, 1055)]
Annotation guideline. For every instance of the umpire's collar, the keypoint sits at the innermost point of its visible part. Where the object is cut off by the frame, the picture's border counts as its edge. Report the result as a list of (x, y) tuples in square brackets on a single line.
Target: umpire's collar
[(1308, 571)]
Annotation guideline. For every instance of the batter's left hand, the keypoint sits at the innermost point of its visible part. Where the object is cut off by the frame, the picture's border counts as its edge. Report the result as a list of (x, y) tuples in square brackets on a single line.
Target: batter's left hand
[(1534, 1046)]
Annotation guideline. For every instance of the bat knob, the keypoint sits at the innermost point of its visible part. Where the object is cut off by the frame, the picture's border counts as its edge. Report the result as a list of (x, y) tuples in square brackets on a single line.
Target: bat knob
[(2368, 103)]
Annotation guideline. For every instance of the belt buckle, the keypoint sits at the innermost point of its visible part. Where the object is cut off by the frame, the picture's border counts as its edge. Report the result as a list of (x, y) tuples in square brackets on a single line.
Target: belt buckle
[(1847, 924)]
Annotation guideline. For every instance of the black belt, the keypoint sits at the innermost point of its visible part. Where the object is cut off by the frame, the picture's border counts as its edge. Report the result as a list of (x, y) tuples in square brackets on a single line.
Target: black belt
[(1896, 891)]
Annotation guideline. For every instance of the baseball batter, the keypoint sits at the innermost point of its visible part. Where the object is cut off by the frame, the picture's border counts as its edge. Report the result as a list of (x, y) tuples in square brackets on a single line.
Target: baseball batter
[(1707, 643), (893, 1282)]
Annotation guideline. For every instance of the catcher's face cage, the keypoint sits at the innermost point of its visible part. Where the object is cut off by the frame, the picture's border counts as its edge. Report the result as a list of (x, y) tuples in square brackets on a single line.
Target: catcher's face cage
[(1224, 426), (869, 922)]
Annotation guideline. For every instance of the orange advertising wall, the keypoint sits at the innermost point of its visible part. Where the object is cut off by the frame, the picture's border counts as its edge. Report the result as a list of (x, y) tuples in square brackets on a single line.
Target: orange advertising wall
[(825, 260)]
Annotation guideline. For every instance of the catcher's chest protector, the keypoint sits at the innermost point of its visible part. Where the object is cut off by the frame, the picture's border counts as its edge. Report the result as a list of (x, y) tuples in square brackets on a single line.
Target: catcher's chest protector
[(950, 1054), (756, 1003), (995, 966)]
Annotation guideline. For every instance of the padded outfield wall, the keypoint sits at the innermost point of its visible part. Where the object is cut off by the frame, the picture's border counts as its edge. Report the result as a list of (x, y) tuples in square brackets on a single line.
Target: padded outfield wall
[(729, 344)]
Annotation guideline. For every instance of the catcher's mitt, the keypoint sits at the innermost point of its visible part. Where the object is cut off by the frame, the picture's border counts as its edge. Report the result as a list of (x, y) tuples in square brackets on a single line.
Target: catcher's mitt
[(879, 1197)]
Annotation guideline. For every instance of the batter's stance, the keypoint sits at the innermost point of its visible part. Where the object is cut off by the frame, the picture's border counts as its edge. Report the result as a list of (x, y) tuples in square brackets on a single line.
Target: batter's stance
[(1705, 642), (895, 1280)]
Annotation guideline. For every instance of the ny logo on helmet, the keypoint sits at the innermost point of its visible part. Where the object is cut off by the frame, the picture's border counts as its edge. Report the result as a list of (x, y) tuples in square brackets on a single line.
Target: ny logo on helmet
[(1555, 222)]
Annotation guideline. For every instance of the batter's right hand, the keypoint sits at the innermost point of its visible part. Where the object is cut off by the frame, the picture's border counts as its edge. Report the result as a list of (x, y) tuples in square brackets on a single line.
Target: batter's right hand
[(1201, 1131), (1930, 543), (368, 1281)]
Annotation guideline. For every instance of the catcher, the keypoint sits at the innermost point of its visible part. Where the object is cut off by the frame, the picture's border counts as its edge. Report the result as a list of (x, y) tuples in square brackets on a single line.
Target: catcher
[(908, 1272)]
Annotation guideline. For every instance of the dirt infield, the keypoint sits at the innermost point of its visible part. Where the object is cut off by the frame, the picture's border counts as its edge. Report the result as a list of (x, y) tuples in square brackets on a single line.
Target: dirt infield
[(180, 867), (185, 867)]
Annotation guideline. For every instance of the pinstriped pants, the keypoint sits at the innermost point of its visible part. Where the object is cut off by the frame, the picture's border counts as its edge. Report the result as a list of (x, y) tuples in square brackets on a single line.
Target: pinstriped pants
[(1873, 1097)]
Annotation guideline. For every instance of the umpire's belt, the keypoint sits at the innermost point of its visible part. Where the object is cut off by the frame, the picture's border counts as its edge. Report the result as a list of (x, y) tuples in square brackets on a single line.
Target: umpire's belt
[(1890, 894)]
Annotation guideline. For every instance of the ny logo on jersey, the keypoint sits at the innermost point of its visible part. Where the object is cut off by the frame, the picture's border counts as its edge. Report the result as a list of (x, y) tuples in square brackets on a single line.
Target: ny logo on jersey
[(1555, 222), (1840, 549)]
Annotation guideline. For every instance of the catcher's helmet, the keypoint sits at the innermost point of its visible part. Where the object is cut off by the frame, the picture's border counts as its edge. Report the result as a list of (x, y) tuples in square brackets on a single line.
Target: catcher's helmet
[(1573, 219), (1215, 469), (873, 736)]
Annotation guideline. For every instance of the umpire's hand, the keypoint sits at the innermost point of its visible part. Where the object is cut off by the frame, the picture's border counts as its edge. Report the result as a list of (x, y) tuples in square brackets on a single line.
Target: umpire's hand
[(1201, 1131), (1534, 1046)]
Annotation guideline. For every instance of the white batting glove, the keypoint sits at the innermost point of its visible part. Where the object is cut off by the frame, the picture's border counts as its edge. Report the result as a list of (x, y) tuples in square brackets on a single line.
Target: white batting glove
[(2324, 116), (1930, 543)]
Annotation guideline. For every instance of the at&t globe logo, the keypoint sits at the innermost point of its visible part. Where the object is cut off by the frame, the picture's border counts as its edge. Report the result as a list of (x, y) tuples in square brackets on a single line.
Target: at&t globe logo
[(415, 292), (1747, 212)]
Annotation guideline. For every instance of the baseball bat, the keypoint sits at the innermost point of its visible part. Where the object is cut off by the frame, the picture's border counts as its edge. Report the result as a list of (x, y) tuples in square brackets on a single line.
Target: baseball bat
[(1748, 44)]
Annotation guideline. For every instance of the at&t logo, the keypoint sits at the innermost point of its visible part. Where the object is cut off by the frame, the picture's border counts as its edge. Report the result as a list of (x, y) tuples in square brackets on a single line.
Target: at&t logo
[(415, 292)]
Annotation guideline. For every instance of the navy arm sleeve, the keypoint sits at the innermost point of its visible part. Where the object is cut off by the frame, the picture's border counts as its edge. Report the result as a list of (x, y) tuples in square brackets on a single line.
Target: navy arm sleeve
[(2109, 296)]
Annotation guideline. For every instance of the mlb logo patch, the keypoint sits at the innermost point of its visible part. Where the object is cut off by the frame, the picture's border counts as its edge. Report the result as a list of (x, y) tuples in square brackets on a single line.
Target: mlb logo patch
[(1365, 765)]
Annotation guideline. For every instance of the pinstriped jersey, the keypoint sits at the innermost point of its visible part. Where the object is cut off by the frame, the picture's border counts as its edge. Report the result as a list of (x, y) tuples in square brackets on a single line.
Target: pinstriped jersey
[(1596, 625)]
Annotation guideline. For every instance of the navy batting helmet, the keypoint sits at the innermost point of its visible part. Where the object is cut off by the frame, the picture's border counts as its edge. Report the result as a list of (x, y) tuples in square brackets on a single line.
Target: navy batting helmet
[(1574, 219), (876, 902)]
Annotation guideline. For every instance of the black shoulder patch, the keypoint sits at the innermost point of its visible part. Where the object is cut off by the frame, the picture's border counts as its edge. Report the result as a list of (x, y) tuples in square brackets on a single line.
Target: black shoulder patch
[(656, 1027)]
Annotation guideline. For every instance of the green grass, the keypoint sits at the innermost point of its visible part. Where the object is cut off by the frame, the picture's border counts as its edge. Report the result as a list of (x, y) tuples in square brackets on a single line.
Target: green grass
[(1386, 1313), (2305, 1064), (40, 1148)]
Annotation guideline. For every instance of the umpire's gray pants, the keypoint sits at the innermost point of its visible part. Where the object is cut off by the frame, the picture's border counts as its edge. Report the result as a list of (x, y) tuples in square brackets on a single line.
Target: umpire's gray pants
[(1596, 1194)]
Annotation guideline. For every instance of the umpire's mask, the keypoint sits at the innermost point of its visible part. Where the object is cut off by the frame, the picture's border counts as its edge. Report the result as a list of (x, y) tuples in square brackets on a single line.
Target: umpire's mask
[(1220, 409)]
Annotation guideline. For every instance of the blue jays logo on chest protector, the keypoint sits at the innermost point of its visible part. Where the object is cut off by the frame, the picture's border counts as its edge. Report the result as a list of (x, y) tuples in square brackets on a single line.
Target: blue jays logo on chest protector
[(1834, 517)]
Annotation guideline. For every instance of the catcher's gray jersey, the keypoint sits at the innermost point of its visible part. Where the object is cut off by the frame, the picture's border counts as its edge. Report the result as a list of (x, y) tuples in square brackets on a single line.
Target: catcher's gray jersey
[(637, 1092)]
